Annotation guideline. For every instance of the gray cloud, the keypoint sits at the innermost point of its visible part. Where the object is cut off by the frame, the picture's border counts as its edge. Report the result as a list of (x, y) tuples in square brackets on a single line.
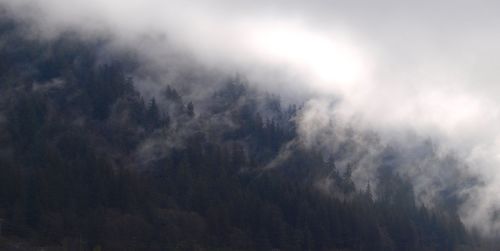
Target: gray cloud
[(393, 66)]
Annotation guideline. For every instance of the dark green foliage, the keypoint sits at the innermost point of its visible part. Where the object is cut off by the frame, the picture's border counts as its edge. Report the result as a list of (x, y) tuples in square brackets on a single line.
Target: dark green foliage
[(71, 175), (152, 117)]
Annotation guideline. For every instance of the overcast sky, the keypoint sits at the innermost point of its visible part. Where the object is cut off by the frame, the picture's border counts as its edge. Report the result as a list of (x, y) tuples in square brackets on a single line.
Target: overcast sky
[(427, 66)]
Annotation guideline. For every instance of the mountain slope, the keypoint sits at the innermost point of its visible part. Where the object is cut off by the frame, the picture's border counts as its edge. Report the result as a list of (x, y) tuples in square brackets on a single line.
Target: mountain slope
[(86, 161)]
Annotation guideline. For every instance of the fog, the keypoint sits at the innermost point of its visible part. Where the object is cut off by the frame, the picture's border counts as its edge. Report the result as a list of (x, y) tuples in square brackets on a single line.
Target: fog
[(392, 67)]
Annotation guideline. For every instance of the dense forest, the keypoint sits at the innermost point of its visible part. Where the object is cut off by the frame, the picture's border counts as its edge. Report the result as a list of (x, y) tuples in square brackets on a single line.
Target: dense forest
[(87, 162)]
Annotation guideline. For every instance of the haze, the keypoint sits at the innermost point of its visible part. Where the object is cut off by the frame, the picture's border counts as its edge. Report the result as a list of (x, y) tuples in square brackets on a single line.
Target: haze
[(393, 66)]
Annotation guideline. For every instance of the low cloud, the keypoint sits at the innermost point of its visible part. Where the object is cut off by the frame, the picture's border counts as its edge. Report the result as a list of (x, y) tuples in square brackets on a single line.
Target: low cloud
[(427, 69)]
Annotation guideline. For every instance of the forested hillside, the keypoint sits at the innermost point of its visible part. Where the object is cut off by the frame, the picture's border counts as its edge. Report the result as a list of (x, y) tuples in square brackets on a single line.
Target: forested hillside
[(87, 162)]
